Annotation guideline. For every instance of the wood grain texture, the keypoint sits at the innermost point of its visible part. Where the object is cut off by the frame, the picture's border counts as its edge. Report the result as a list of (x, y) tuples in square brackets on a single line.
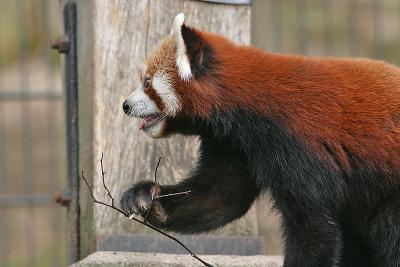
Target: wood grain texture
[(125, 32), (87, 233)]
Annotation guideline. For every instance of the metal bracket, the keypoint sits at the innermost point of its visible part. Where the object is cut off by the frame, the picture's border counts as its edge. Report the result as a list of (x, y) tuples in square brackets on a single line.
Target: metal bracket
[(229, 2), (63, 198), (61, 44)]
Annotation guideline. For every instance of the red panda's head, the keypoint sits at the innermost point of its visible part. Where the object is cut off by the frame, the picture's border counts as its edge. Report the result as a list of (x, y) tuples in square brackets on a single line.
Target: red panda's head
[(179, 80)]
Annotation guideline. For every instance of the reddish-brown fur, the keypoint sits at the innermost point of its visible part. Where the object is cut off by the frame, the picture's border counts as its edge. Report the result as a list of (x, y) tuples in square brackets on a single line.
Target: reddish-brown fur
[(155, 97), (349, 104)]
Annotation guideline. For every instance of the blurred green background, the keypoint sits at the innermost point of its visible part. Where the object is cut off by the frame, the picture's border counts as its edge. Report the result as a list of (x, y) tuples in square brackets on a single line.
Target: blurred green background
[(32, 138), (32, 130)]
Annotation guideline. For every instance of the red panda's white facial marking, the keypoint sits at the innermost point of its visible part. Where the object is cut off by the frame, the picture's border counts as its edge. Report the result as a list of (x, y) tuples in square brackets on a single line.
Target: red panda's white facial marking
[(162, 85), (142, 106)]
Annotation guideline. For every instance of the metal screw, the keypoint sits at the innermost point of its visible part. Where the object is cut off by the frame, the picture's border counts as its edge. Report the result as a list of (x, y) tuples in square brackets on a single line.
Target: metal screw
[(61, 44)]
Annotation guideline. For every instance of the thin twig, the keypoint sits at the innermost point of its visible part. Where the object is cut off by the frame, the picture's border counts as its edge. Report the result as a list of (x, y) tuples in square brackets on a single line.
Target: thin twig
[(104, 183), (155, 171), (155, 181), (174, 194), (90, 188)]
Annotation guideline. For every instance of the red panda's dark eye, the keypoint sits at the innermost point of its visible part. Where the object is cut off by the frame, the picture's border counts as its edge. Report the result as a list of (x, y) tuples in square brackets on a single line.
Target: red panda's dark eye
[(146, 82)]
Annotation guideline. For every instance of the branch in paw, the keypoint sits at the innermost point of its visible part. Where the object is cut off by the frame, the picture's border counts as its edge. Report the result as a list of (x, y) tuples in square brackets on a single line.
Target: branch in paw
[(131, 216)]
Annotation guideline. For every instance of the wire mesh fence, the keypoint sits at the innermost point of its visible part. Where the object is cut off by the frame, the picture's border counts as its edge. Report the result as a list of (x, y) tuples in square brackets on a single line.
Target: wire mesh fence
[(32, 150), (32, 131), (352, 28)]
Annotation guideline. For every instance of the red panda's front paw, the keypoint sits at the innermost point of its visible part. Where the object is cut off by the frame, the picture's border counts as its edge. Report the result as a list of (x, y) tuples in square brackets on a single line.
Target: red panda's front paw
[(139, 198)]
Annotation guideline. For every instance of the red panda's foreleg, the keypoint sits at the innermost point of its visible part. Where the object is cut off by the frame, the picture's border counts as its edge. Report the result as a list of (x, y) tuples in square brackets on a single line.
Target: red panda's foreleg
[(222, 189)]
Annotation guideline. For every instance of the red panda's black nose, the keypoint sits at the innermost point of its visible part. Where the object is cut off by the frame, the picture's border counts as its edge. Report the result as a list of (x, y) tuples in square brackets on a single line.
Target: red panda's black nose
[(126, 107)]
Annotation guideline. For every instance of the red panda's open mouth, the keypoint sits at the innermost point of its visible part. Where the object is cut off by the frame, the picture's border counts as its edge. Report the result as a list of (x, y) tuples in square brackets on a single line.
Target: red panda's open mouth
[(151, 120)]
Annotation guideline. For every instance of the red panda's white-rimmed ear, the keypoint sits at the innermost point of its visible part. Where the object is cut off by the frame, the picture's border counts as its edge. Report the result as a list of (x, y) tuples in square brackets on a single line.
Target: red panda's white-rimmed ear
[(195, 57), (182, 60)]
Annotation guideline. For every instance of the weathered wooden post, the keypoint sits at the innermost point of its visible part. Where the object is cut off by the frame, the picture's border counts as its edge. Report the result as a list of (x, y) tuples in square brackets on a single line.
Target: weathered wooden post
[(114, 38)]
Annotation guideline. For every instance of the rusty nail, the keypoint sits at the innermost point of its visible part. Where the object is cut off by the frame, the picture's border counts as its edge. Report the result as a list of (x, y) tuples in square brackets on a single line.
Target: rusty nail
[(61, 44), (62, 198)]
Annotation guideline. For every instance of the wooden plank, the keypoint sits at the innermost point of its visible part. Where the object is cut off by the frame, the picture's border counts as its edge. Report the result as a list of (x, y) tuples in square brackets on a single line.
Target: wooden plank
[(198, 14), (120, 46), (201, 244), (232, 21), (124, 33)]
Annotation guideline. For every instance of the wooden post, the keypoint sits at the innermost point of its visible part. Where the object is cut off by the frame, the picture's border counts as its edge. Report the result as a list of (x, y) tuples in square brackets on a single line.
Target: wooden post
[(114, 37)]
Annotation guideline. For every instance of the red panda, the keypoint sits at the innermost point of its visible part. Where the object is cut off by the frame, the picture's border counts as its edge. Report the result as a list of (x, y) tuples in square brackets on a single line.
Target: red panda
[(322, 135)]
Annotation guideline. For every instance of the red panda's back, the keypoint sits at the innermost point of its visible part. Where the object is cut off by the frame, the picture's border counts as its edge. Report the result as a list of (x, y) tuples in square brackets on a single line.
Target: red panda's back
[(351, 106)]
